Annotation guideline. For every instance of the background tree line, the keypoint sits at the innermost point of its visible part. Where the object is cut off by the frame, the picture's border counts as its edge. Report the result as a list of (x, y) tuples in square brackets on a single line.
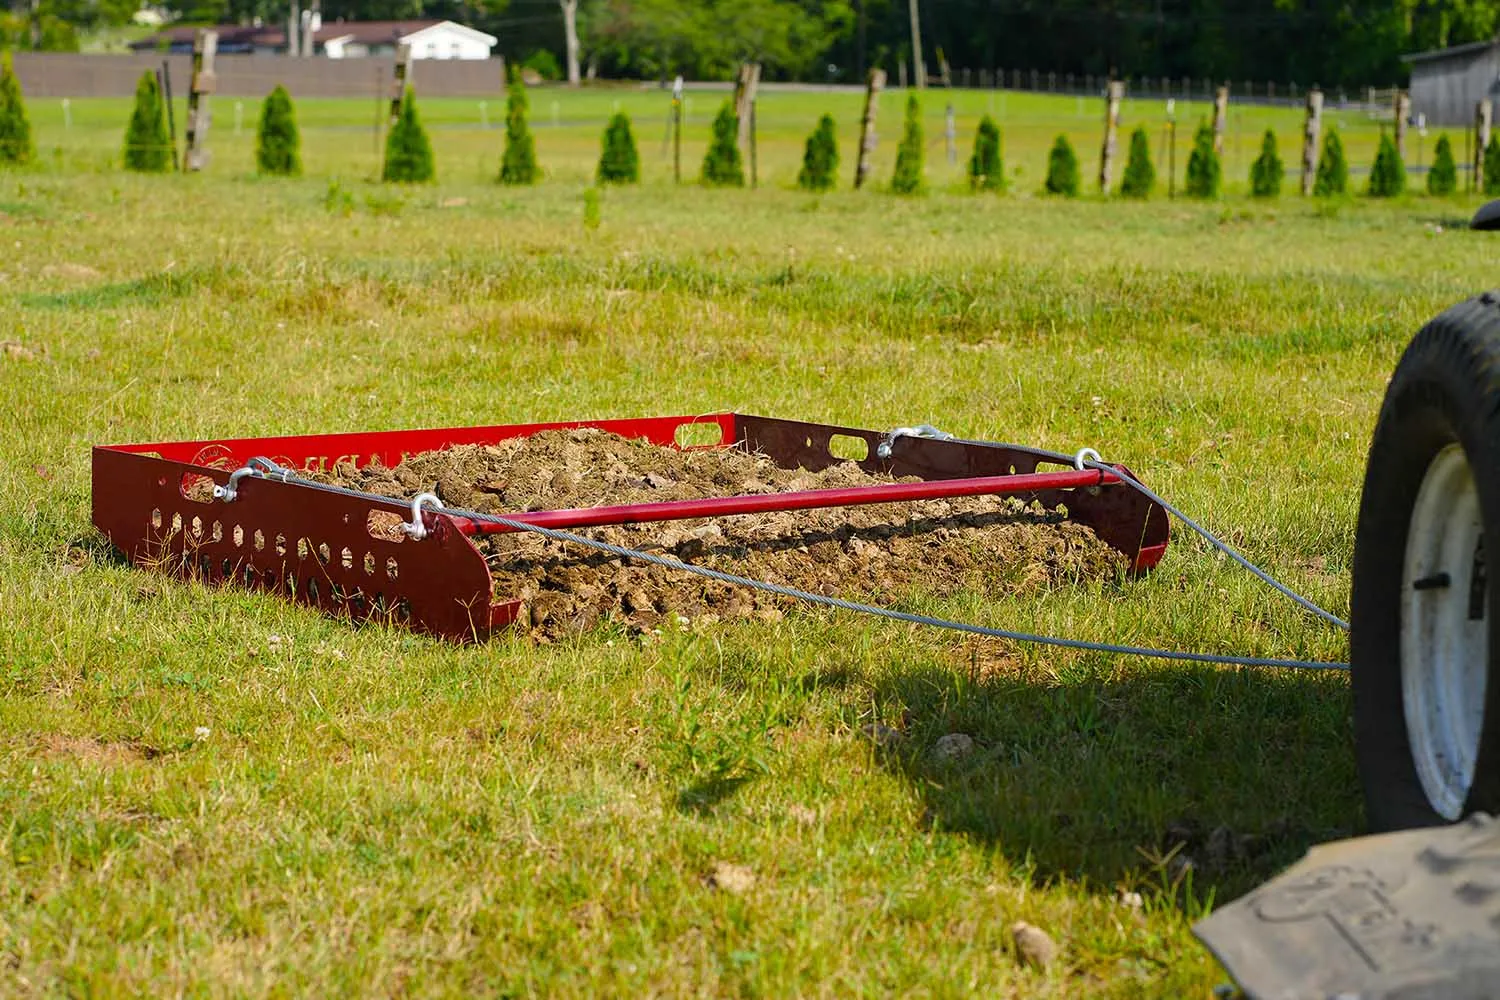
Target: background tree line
[(1330, 42)]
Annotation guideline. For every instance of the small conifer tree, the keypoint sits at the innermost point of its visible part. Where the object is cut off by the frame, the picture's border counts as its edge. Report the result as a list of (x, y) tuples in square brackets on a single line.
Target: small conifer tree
[(1442, 178), (1387, 173), (820, 159), (519, 165), (1267, 170), (1491, 165), (278, 144), (986, 169), (1140, 175), (1332, 178), (1062, 169), (408, 152), (721, 164), (908, 176), (619, 163), (147, 148), (15, 129), (1204, 173)]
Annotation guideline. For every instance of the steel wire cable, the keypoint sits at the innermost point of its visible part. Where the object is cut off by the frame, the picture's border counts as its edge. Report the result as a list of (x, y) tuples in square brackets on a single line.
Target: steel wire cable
[(732, 579)]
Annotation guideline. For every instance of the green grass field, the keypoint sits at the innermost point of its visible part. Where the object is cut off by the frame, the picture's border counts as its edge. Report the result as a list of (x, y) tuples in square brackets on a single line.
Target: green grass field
[(209, 792)]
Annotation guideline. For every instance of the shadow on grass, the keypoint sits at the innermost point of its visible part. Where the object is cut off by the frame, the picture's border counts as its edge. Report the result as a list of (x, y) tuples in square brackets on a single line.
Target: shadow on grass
[(702, 797), (150, 290), (1107, 772)]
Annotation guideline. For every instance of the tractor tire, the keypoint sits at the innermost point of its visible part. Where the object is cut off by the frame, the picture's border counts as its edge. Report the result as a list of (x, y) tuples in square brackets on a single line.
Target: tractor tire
[(1425, 625)]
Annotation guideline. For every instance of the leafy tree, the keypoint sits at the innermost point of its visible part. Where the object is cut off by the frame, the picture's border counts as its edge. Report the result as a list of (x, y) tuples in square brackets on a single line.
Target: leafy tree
[(1332, 177), (1442, 177), (1062, 169), (1140, 175), (1267, 170), (1204, 173), (519, 165), (278, 144), (908, 176), (820, 159), (619, 163), (721, 164), (408, 152), (1387, 173), (147, 148), (986, 169), (1491, 165), (15, 129)]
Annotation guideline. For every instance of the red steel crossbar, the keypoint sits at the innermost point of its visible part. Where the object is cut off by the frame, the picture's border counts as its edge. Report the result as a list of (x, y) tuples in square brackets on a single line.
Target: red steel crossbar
[(760, 503)]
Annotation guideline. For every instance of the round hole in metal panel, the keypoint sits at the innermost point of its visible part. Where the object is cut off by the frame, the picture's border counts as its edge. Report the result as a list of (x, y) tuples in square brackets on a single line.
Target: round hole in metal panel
[(346, 558), (197, 526), (216, 533), (304, 548), (281, 545), (260, 540), (392, 569), (370, 563), (228, 567), (324, 553), (156, 517), (176, 524), (238, 534), (312, 589)]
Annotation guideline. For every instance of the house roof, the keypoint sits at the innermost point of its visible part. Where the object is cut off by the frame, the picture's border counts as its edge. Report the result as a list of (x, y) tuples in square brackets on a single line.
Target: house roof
[(1472, 48), (274, 35)]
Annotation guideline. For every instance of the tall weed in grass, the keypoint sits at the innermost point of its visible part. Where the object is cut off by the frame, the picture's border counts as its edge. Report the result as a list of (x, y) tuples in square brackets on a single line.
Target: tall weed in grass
[(1491, 165)]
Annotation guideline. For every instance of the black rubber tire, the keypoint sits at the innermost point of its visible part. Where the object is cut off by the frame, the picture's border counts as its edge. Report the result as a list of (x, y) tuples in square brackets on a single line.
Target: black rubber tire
[(1446, 389)]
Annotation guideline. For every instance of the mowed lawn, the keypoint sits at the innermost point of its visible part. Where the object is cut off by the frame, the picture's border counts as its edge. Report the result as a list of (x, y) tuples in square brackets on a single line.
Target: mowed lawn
[(204, 791)]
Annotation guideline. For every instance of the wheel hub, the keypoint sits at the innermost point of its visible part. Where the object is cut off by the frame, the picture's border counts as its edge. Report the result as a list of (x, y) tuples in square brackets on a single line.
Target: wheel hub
[(1444, 633)]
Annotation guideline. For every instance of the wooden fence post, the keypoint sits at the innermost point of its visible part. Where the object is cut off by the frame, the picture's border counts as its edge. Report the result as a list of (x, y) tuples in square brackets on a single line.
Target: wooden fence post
[(745, 87), (1483, 112), (1221, 114), (950, 134), (205, 44), (400, 80), (867, 126), (1311, 132), (1402, 109), (1113, 95)]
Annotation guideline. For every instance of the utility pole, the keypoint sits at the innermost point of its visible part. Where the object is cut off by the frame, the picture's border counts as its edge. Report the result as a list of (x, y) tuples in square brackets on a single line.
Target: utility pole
[(570, 36), (919, 74)]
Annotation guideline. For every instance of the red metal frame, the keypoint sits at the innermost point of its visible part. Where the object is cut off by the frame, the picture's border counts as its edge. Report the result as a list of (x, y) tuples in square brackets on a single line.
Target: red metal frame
[(154, 503)]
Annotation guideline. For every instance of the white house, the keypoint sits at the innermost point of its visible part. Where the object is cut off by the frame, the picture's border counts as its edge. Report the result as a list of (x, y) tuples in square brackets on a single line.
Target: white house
[(428, 39)]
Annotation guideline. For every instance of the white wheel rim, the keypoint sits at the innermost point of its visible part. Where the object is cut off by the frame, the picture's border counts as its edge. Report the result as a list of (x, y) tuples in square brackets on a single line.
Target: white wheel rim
[(1444, 646)]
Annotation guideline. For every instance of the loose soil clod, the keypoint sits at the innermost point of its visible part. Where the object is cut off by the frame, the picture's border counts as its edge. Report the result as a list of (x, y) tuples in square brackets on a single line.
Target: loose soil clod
[(993, 545)]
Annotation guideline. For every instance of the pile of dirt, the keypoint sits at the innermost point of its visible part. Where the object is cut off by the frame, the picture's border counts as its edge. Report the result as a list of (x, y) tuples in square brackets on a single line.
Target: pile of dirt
[(878, 552)]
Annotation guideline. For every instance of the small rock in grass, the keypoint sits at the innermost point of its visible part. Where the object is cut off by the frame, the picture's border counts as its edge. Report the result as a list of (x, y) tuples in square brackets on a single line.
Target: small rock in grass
[(881, 735), (1130, 900), (1222, 849), (730, 877), (1034, 946), (657, 481), (954, 746)]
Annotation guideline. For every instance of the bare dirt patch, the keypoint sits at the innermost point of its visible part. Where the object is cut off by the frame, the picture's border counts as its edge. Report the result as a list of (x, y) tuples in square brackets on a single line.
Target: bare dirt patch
[(92, 750), (877, 552)]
